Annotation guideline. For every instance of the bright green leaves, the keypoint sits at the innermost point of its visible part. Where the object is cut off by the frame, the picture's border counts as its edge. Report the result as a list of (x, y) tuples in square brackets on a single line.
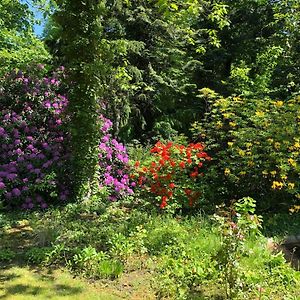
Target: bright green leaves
[(19, 47)]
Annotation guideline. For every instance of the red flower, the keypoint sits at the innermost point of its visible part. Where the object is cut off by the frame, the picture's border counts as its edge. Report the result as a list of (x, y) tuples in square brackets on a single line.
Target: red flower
[(163, 202), (172, 185), (194, 174), (137, 163), (141, 179), (168, 176), (162, 162), (182, 165), (202, 155), (172, 163), (187, 191), (169, 145)]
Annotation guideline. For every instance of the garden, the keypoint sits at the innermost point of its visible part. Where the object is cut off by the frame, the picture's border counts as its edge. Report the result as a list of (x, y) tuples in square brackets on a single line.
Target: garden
[(149, 149)]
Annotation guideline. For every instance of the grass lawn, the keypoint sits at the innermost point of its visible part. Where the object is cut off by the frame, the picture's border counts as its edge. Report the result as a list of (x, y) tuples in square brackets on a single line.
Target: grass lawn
[(24, 283)]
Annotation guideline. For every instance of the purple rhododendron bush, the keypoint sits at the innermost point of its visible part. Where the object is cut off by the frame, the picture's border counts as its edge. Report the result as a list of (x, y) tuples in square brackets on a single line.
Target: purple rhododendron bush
[(33, 140), (34, 143), (114, 164)]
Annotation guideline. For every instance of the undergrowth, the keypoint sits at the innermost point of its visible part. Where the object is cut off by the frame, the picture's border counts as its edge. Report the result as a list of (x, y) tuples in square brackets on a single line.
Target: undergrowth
[(182, 254)]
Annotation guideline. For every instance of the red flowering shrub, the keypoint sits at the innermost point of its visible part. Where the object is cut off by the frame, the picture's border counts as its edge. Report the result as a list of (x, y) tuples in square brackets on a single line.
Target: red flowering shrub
[(173, 173)]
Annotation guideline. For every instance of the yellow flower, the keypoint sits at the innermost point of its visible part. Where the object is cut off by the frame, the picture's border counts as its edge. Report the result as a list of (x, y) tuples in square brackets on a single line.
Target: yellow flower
[(242, 173), (259, 113), (232, 124), (241, 152), (291, 185), (219, 124), (277, 185), (250, 163), (249, 145), (265, 173), (277, 145), (292, 162), (295, 208), (278, 103), (273, 173), (230, 144), (283, 177), (227, 171), (227, 115), (297, 145)]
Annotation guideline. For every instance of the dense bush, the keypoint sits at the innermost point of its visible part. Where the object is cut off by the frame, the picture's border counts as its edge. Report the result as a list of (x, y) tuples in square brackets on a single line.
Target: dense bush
[(114, 163), (172, 174), (255, 144), (33, 149), (34, 141)]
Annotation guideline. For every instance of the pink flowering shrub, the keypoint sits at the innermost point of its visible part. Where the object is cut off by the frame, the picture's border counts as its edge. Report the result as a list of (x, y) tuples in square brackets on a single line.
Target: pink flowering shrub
[(34, 143), (32, 139), (114, 162)]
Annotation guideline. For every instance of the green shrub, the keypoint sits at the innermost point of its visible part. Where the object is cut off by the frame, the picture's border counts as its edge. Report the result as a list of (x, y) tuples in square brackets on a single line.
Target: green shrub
[(6, 255), (255, 146), (235, 225), (38, 255)]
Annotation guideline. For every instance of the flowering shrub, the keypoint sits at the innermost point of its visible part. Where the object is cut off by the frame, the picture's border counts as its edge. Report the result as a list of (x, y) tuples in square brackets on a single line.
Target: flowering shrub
[(114, 163), (172, 173), (34, 143), (255, 145), (32, 138)]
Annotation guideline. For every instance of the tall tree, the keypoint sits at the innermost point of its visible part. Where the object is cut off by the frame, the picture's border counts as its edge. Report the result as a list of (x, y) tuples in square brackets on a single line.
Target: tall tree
[(147, 70), (81, 29), (258, 53)]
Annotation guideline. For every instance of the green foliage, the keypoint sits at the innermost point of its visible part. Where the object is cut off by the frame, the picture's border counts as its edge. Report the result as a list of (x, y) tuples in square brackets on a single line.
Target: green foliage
[(19, 47), (95, 264), (7, 255), (38, 255), (257, 53), (81, 30), (255, 145), (181, 265), (235, 225)]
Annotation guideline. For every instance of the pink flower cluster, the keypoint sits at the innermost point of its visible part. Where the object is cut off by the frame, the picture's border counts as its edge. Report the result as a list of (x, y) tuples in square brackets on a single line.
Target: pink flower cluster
[(113, 160), (32, 140)]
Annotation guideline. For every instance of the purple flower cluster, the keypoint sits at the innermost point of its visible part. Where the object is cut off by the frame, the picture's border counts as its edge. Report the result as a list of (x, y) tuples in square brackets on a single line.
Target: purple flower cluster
[(113, 160), (32, 140), (34, 143)]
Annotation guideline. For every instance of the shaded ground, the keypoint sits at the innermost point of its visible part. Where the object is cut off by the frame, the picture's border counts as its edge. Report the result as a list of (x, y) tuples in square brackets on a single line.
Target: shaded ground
[(25, 283), (19, 281)]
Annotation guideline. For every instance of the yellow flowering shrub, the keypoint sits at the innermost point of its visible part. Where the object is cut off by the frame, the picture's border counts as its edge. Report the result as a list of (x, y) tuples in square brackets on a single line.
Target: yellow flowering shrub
[(255, 144)]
